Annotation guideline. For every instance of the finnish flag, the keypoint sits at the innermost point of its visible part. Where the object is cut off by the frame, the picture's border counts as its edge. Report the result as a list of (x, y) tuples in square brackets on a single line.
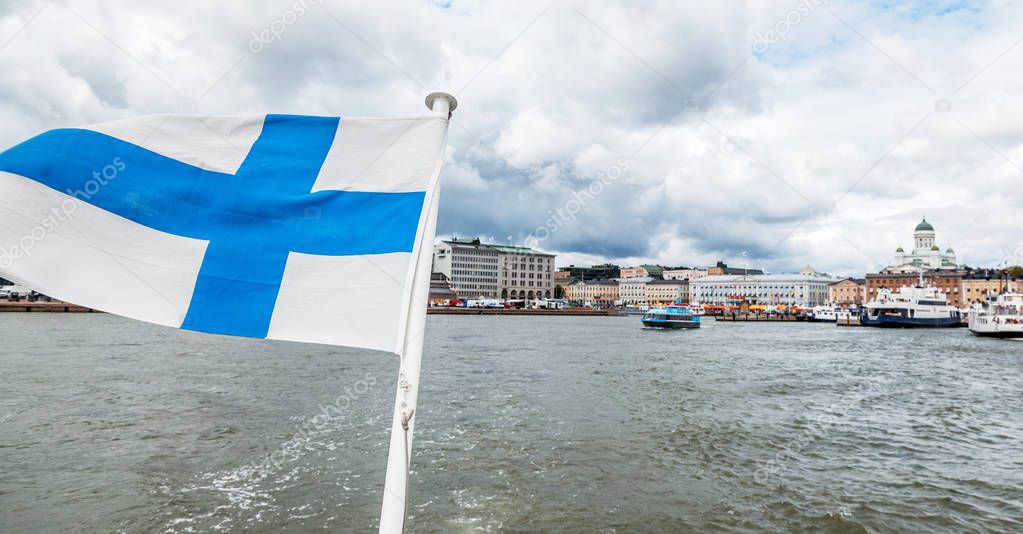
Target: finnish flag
[(278, 226)]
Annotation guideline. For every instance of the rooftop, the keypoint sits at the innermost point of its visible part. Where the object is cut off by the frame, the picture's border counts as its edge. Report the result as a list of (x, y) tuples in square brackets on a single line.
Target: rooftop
[(601, 282), (511, 249), (859, 281), (765, 278), (659, 282)]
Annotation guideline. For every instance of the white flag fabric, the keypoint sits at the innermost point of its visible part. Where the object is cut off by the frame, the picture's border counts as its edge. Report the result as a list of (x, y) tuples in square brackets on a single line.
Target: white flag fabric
[(278, 226)]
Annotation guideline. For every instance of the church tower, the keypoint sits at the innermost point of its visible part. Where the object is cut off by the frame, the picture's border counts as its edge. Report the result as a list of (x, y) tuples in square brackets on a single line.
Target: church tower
[(924, 236)]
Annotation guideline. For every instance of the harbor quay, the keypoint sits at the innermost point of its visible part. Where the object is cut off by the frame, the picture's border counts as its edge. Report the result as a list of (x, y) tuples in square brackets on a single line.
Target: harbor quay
[(53, 306)]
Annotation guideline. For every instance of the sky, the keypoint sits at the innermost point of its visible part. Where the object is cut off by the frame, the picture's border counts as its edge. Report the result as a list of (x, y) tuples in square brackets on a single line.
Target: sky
[(773, 134)]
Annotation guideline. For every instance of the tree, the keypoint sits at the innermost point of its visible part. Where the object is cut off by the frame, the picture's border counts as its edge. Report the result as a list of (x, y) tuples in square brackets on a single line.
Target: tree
[(1015, 272), (559, 292)]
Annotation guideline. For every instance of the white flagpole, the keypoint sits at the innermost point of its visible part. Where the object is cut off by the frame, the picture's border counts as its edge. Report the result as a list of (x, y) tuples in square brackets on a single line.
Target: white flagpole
[(394, 511)]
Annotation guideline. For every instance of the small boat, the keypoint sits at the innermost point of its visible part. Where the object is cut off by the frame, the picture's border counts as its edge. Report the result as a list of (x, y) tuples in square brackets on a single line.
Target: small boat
[(849, 317), (911, 307), (671, 317), (1002, 317), (823, 314)]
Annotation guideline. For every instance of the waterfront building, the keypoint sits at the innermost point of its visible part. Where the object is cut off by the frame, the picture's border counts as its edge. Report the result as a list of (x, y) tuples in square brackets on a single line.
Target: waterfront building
[(684, 273), (926, 254), (440, 289), (665, 292), (950, 282), (602, 292), (722, 269), (632, 291), (560, 283), (848, 292), (652, 271), (486, 270), (597, 272), (525, 273), (778, 289), (470, 265), (977, 285)]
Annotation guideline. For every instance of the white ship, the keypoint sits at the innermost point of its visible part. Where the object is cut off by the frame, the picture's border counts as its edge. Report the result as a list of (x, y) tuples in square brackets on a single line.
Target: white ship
[(911, 307), (823, 314), (1002, 317)]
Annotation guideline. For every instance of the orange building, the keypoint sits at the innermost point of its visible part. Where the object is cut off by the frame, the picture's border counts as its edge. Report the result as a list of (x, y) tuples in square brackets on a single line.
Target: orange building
[(848, 292)]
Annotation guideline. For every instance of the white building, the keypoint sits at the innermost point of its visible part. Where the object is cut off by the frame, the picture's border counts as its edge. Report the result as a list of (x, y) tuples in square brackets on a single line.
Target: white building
[(786, 289), (926, 254), (484, 270), (684, 274), (632, 291), (470, 265)]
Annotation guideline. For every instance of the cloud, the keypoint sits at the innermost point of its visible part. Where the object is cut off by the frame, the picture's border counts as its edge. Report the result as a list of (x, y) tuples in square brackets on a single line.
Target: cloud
[(824, 148)]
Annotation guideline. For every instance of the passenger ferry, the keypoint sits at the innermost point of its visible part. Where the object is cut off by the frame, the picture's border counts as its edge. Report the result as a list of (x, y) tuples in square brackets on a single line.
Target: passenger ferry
[(671, 317), (1002, 317), (911, 307), (823, 314)]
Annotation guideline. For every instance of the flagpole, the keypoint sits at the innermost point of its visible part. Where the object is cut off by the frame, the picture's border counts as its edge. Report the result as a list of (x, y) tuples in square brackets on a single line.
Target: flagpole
[(394, 510)]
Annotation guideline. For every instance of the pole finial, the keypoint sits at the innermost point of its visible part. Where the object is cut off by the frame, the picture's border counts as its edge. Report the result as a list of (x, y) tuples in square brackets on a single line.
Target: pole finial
[(439, 101)]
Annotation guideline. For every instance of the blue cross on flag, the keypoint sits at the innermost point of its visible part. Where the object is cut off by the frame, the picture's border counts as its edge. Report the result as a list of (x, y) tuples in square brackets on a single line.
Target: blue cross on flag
[(277, 226)]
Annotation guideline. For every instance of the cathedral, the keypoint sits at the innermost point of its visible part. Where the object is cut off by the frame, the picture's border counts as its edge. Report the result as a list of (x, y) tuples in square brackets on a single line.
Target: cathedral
[(925, 255)]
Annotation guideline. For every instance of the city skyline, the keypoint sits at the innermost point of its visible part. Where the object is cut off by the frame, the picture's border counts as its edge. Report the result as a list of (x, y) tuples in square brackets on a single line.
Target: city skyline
[(902, 261)]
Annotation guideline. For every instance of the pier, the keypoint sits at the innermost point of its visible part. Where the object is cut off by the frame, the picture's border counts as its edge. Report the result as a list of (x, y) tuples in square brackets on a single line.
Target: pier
[(760, 318), (40, 306)]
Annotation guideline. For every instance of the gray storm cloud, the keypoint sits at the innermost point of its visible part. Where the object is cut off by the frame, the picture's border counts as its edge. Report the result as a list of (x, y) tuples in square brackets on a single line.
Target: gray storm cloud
[(823, 147)]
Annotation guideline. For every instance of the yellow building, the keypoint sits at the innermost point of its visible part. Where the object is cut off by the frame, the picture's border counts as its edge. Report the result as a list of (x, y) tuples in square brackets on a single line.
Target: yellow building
[(597, 292), (975, 287)]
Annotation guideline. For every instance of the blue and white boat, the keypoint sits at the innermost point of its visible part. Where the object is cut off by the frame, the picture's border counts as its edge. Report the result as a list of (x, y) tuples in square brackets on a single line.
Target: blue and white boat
[(671, 317), (911, 307)]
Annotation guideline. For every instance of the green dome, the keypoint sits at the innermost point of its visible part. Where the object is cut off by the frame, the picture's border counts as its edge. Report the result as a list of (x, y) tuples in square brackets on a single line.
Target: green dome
[(924, 226), (935, 247), (899, 250)]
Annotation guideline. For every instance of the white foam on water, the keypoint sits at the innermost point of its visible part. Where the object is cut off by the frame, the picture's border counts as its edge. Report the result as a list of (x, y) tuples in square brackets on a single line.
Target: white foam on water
[(252, 487)]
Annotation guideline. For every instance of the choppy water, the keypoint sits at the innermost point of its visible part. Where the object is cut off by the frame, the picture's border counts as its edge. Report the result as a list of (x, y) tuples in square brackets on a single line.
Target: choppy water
[(525, 424)]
